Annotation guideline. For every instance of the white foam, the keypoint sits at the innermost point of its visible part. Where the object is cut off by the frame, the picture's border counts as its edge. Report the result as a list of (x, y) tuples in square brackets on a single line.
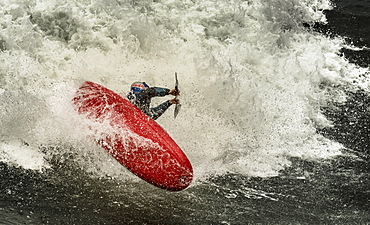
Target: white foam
[(249, 75), (22, 155)]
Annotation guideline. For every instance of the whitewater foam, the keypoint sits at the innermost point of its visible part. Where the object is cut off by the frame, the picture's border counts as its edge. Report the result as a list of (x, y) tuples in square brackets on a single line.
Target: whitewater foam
[(252, 77), (22, 155)]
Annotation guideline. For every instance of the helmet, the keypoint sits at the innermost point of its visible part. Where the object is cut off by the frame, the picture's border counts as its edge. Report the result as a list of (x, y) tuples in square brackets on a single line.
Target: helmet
[(139, 86)]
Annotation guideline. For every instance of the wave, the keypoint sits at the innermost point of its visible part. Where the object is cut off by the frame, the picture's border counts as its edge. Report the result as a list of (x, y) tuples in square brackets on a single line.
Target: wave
[(253, 77)]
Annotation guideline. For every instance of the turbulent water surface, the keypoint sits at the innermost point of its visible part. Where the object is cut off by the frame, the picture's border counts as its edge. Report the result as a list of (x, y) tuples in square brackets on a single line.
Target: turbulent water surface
[(274, 118)]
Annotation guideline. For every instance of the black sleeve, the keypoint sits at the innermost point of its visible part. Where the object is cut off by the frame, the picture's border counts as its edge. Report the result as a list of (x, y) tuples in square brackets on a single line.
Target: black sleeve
[(154, 92), (156, 112)]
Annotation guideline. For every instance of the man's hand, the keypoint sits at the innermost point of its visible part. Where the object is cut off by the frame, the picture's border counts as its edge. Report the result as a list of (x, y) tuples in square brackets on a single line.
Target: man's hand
[(174, 101), (174, 92)]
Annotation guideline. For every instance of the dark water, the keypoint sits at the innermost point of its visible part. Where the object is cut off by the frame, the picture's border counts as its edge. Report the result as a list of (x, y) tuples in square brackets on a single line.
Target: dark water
[(335, 192), (327, 191), (350, 19)]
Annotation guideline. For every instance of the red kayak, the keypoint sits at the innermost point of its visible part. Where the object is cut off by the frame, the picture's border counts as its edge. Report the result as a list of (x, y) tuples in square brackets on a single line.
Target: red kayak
[(134, 139)]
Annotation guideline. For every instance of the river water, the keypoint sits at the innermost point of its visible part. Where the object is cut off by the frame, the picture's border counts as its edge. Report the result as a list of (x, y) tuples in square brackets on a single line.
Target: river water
[(274, 117)]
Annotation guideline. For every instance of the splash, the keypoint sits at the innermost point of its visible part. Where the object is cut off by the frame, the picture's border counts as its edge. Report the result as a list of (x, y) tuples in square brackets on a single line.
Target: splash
[(22, 155), (253, 76)]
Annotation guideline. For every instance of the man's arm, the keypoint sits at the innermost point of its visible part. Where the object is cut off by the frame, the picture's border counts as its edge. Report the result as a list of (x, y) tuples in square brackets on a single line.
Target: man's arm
[(155, 92), (156, 112)]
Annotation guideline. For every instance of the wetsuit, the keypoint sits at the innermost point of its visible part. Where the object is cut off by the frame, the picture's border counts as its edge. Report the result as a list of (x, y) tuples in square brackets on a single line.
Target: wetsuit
[(142, 101)]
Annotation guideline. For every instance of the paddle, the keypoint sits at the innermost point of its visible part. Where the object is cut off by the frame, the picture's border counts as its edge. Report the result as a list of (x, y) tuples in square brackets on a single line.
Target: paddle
[(178, 106)]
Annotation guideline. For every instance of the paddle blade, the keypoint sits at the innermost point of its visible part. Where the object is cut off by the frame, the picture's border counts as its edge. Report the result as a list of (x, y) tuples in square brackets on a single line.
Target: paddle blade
[(178, 106), (176, 82), (177, 110)]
